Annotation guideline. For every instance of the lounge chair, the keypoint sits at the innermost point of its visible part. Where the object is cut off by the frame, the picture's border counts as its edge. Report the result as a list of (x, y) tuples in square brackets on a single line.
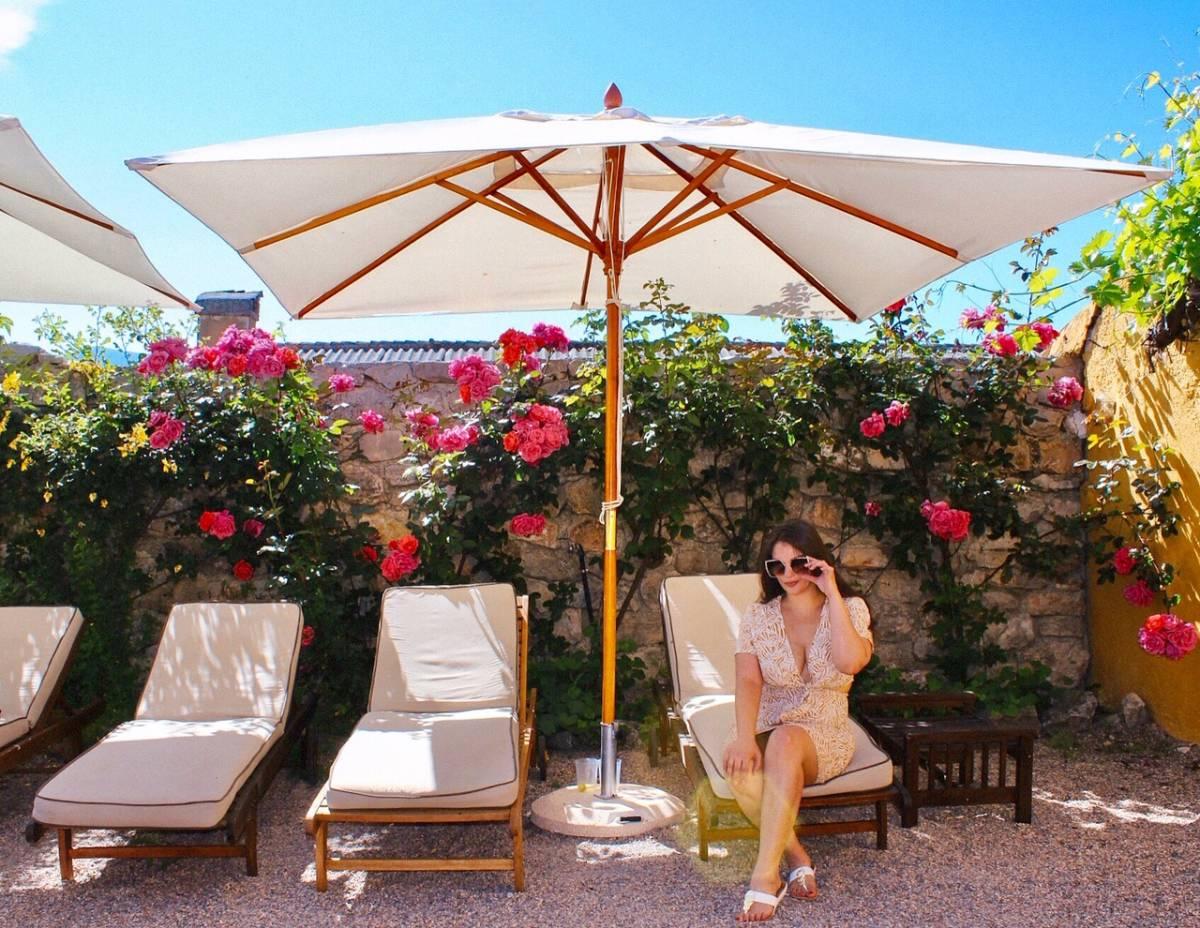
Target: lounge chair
[(700, 623), (449, 729), (213, 726), (37, 644)]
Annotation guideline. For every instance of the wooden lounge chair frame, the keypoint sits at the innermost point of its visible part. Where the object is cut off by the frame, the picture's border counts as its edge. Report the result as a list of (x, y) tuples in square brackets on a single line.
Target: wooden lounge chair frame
[(320, 817), (711, 808), (59, 723), (240, 824)]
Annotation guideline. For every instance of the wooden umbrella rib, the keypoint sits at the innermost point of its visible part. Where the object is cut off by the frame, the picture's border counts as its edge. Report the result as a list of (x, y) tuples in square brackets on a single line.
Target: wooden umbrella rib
[(554, 195), (833, 202), (762, 237), (677, 228), (527, 216), (420, 234), (587, 267), (713, 166), (387, 195), (58, 206)]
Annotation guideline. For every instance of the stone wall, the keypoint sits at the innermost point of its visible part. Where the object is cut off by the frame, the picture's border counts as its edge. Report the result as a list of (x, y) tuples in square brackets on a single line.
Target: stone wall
[(1047, 619)]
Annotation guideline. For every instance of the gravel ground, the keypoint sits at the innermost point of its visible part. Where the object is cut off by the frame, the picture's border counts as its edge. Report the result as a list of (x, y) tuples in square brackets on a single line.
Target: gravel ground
[(1115, 842)]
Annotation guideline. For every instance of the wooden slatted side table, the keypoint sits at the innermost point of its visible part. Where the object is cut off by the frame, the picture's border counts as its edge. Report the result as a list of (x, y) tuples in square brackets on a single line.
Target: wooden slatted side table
[(957, 758)]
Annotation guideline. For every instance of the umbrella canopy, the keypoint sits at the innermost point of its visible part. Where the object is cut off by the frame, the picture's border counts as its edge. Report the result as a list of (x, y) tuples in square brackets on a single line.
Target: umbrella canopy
[(529, 210), (58, 248)]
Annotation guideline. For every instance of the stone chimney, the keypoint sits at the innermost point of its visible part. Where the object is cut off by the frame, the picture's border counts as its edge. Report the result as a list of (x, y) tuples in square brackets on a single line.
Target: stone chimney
[(222, 308)]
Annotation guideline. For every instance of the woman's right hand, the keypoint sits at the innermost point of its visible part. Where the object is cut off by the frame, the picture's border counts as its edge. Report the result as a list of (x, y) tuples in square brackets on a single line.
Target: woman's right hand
[(742, 757)]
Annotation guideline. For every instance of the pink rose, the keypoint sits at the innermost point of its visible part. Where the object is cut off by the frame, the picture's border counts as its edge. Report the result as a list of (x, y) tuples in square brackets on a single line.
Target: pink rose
[(154, 363), (204, 358), (175, 349), (475, 377), (872, 508), (455, 438), (253, 527), (1066, 390), (223, 525), (1124, 561), (974, 319), (1181, 639), (550, 336), (526, 524), (1047, 333), (896, 414), (398, 564), (341, 383), (372, 422), (944, 522), (1139, 593), (873, 426), (1004, 346)]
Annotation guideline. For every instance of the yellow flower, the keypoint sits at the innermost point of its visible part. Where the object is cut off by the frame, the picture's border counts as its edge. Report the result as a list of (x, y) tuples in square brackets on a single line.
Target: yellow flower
[(135, 439), (170, 467), (47, 496), (41, 533), (11, 385), (103, 504), (91, 497), (178, 568)]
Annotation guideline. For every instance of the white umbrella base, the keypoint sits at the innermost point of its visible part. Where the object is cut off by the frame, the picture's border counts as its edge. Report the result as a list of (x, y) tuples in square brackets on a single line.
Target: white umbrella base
[(633, 810)]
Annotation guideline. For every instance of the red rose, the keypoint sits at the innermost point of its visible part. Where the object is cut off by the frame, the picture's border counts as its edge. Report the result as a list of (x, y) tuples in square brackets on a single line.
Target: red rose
[(512, 441), (253, 527), (288, 356), (409, 544), (307, 636), (872, 508), (398, 564), (526, 524), (236, 365), (1139, 593), (243, 570), (205, 522), (368, 553)]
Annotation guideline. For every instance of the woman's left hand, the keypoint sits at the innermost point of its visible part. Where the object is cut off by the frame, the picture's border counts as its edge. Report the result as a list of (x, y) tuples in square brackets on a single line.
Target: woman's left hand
[(826, 580)]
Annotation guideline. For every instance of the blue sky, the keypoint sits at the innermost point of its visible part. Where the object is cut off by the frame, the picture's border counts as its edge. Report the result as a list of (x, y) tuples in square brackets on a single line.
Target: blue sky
[(98, 81)]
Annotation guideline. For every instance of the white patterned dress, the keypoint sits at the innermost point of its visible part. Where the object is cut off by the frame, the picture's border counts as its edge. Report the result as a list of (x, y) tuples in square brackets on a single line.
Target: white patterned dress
[(816, 699)]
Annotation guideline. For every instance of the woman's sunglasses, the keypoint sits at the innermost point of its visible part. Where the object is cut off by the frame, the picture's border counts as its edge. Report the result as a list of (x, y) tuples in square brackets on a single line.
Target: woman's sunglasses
[(799, 565)]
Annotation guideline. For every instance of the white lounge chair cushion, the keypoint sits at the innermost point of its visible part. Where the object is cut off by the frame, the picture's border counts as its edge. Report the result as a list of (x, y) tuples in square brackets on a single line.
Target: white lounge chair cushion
[(446, 648), (701, 616), (710, 720), (397, 760), (35, 643), (224, 661), (157, 773)]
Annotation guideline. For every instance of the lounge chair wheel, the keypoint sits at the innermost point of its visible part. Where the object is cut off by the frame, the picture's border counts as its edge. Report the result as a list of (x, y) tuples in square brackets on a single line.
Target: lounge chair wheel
[(34, 832)]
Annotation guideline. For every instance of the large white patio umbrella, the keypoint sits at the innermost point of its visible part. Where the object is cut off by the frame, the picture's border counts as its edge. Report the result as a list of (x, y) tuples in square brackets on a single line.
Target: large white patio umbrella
[(528, 210), (56, 247)]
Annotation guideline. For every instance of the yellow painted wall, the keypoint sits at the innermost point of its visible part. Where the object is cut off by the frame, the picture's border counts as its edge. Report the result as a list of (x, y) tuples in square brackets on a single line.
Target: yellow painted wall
[(1162, 402)]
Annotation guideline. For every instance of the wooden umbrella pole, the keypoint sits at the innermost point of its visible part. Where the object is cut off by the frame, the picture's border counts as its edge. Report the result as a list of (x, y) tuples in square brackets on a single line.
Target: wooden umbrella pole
[(613, 170)]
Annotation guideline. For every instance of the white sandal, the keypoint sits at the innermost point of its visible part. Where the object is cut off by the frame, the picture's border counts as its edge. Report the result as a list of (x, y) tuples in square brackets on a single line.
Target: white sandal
[(799, 873), (757, 896)]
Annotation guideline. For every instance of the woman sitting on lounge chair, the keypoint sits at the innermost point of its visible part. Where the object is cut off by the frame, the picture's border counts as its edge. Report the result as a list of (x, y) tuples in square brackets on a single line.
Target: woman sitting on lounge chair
[(798, 650)]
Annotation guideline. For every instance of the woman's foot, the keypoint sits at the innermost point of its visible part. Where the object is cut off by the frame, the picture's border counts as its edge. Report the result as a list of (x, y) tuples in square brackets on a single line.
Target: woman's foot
[(763, 899), (801, 877)]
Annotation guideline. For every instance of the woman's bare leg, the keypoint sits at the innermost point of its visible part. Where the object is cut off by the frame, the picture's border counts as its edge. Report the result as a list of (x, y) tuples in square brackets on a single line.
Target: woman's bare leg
[(789, 760), (747, 790)]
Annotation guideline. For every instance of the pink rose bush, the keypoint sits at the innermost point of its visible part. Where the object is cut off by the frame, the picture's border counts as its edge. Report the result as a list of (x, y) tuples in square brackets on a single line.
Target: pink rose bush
[(245, 351), (896, 414), (551, 337), (162, 355), (1045, 333), (475, 377), (1166, 635), (341, 383), (454, 438), (526, 524), (537, 434), (518, 347), (1065, 392), (164, 429), (945, 522)]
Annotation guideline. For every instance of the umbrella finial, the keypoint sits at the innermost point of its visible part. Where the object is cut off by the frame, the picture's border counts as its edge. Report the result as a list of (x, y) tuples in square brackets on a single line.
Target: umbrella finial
[(612, 97)]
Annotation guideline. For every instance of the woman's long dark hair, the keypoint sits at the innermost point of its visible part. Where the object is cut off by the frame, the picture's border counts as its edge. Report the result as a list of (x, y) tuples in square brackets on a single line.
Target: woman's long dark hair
[(803, 537)]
